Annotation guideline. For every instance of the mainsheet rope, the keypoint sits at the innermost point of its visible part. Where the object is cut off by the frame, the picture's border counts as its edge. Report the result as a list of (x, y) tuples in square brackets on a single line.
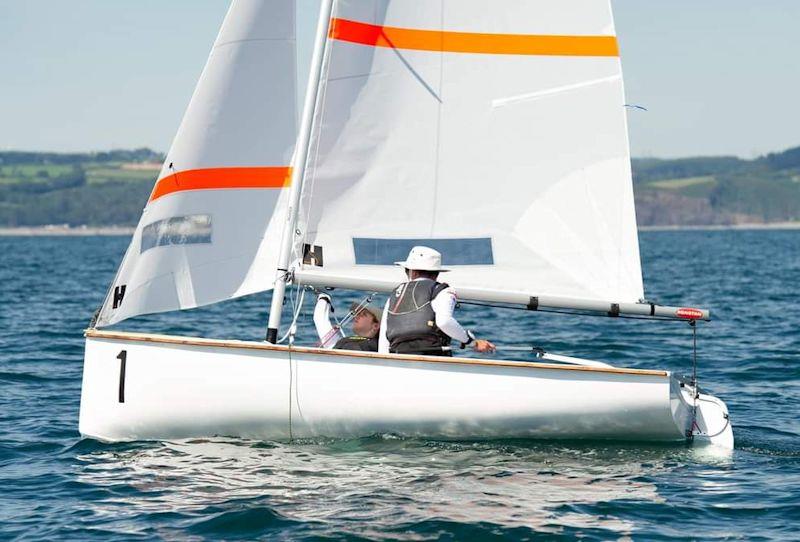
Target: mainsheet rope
[(292, 331)]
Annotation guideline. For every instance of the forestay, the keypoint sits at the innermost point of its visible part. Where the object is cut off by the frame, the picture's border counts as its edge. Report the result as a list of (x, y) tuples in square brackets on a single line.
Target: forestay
[(493, 131), (210, 229)]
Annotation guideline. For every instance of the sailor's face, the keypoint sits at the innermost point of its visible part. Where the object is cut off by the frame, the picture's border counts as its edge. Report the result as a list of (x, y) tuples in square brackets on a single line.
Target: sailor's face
[(364, 324)]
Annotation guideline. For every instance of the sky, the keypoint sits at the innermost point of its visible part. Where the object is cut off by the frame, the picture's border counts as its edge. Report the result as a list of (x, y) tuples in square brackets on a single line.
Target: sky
[(718, 77)]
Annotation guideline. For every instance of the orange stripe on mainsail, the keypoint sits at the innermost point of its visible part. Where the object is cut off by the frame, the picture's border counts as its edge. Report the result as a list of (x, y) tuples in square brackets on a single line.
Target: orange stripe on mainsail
[(470, 42), (222, 177)]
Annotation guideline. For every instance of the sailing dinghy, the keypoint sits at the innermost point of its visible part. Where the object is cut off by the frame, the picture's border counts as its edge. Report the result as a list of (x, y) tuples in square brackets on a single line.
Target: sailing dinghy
[(494, 132)]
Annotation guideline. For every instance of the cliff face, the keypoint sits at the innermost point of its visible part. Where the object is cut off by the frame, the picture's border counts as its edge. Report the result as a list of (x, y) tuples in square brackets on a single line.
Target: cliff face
[(662, 208), (718, 190)]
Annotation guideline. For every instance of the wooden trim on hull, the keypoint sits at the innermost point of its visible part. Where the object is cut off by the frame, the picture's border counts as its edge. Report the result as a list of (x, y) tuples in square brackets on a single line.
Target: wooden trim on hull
[(248, 345)]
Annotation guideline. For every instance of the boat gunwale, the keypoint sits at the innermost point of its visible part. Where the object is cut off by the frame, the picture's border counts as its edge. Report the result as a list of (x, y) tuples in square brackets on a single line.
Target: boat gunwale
[(250, 345)]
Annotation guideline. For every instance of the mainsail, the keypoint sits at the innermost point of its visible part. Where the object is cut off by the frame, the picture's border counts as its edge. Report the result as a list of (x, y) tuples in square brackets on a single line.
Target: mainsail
[(210, 230), (493, 131)]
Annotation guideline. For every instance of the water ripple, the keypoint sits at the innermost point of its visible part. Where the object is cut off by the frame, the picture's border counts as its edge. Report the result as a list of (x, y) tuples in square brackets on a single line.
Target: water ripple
[(56, 486)]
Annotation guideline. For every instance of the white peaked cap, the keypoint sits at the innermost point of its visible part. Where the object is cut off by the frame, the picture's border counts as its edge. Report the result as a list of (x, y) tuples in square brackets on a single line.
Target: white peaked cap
[(423, 259)]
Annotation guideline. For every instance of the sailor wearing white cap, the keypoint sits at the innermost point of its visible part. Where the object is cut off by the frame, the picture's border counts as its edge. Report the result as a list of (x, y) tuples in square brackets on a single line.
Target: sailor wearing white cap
[(418, 317)]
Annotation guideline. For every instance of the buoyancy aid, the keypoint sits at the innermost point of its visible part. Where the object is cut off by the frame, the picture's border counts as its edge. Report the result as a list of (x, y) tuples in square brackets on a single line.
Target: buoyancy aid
[(411, 322), (357, 343)]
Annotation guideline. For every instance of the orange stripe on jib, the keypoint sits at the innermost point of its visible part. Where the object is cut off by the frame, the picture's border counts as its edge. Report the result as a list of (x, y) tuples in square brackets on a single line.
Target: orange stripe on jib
[(221, 178), (469, 42)]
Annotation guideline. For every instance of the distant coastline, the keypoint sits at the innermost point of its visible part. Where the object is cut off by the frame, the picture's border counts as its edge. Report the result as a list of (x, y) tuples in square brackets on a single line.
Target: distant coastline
[(107, 188), (89, 231), (712, 227), (66, 231)]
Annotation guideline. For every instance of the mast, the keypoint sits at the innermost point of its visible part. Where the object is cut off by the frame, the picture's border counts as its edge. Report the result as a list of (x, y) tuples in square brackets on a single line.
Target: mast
[(298, 172)]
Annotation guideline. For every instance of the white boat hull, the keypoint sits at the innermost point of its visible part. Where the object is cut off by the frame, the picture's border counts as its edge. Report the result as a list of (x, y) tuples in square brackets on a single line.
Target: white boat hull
[(176, 387)]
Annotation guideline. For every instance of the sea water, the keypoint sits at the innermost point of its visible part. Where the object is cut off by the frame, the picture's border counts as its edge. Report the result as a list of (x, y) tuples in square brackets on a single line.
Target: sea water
[(53, 485)]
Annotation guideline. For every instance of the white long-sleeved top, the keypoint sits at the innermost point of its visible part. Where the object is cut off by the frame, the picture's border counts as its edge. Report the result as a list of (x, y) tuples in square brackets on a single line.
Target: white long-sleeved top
[(443, 306), (328, 335)]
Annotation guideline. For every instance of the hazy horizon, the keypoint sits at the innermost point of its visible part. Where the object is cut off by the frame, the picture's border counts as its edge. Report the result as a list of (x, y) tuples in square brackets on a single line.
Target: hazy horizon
[(164, 152), (717, 78)]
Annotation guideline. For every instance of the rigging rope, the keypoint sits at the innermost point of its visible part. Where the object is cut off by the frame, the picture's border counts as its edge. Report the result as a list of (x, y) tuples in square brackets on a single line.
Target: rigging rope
[(347, 317), (695, 390), (291, 331), (296, 314), (290, 334)]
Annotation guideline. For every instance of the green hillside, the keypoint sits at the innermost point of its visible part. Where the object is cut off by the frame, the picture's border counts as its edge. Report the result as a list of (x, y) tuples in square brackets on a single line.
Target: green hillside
[(718, 190), (110, 188), (97, 189)]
